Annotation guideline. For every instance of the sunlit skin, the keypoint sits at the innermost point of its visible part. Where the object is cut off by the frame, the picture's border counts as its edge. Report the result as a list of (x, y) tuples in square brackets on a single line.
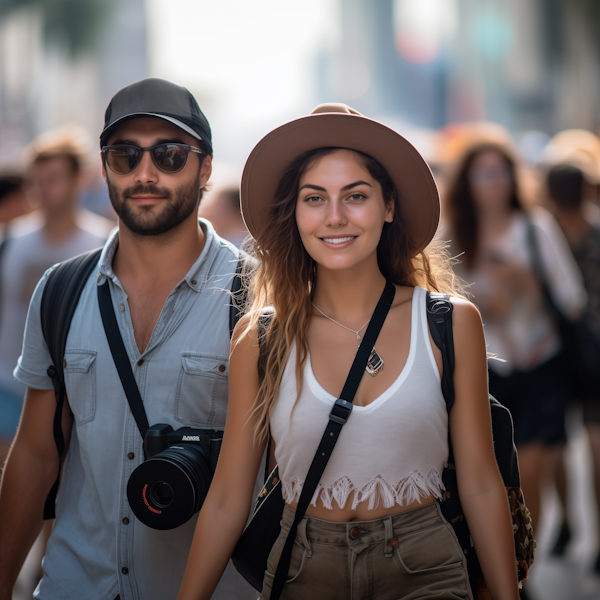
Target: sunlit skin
[(338, 199)]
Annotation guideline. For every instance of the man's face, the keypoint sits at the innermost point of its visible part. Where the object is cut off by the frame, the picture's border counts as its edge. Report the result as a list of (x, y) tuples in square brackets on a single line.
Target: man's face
[(53, 184), (149, 201)]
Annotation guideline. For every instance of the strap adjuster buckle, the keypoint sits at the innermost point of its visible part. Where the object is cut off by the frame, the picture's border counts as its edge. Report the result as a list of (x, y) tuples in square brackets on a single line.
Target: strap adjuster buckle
[(341, 411)]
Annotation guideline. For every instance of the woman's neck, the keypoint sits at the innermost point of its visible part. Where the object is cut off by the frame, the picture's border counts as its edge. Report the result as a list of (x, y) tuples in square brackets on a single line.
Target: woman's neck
[(349, 295)]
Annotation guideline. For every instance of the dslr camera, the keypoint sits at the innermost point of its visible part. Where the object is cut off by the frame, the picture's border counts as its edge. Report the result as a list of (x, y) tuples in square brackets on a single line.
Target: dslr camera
[(172, 483)]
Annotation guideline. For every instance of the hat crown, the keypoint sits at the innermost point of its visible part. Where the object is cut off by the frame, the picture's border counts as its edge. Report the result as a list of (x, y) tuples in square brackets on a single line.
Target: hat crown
[(335, 107)]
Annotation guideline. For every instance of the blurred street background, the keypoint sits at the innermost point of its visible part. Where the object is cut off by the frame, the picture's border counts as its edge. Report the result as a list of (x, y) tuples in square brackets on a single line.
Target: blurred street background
[(443, 73)]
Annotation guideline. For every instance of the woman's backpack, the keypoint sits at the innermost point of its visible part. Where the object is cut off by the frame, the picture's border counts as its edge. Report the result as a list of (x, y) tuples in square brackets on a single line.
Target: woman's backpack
[(439, 317)]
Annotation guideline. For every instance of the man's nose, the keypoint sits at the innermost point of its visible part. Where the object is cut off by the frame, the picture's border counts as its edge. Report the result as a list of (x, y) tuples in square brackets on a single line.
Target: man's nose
[(146, 171)]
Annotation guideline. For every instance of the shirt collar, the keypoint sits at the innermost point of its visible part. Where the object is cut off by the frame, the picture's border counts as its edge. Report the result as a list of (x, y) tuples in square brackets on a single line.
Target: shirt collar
[(195, 278)]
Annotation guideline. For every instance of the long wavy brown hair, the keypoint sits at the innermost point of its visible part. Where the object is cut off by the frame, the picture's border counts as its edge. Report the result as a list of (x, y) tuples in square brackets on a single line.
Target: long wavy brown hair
[(286, 274), (459, 203)]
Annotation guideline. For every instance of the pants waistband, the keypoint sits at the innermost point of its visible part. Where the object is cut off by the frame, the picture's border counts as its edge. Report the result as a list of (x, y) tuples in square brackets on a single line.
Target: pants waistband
[(364, 532)]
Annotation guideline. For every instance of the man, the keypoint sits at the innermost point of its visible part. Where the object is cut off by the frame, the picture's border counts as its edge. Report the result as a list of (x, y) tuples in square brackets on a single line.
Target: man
[(55, 162), (167, 274)]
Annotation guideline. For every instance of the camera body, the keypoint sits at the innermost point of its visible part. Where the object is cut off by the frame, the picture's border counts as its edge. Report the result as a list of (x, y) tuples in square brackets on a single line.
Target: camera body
[(172, 483)]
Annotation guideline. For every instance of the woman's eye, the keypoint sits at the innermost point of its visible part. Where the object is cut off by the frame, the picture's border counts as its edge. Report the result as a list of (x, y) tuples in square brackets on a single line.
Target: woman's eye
[(356, 197), (312, 199)]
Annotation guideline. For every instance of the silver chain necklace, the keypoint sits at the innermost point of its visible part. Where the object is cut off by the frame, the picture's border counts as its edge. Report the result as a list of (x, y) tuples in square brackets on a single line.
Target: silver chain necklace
[(358, 337), (375, 362)]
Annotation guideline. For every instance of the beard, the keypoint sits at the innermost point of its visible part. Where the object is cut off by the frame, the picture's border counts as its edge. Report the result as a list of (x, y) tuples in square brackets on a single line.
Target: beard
[(178, 204)]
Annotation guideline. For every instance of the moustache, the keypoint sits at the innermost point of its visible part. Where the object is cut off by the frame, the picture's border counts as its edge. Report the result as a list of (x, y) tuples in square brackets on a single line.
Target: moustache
[(153, 190)]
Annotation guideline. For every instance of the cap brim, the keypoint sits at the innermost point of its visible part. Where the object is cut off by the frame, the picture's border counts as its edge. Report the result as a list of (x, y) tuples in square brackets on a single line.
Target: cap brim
[(418, 195), (108, 130)]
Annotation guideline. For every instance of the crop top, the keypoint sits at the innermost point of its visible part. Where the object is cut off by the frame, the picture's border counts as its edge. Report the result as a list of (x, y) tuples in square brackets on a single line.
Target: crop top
[(392, 451)]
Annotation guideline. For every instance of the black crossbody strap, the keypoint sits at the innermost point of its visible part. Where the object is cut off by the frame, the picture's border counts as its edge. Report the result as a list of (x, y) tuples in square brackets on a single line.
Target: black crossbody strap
[(339, 415), (121, 358)]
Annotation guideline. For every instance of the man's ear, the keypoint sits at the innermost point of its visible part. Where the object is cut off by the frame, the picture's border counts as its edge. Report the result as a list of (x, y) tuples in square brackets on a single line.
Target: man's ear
[(205, 170)]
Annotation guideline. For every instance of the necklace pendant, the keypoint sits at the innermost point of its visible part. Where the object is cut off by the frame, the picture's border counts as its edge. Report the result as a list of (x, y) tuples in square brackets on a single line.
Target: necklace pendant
[(375, 363), (358, 336)]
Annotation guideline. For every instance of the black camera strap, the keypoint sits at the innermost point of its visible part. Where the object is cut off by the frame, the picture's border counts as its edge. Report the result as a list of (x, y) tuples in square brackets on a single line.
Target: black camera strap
[(121, 358), (337, 418)]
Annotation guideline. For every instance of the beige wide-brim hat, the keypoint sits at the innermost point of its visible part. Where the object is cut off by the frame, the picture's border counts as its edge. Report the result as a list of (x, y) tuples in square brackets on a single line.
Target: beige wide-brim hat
[(339, 126)]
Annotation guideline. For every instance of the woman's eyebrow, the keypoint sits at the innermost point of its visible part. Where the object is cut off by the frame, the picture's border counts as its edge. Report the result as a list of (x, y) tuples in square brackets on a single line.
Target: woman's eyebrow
[(343, 189), (351, 185)]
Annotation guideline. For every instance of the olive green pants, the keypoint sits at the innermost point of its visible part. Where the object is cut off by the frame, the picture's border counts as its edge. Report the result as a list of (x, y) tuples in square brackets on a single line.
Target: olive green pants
[(414, 554)]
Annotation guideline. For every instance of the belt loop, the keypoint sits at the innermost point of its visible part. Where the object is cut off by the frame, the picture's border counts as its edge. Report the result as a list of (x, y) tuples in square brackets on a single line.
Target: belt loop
[(301, 532), (389, 536)]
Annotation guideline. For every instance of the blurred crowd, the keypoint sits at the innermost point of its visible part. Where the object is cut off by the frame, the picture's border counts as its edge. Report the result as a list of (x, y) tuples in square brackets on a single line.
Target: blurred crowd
[(525, 237)]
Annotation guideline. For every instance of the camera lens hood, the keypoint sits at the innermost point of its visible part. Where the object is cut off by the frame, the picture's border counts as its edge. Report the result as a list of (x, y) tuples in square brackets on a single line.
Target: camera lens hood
[(167, 489)]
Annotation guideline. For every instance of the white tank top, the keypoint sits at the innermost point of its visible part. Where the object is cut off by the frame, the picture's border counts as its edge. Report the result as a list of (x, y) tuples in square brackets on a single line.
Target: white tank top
[(392, 451)]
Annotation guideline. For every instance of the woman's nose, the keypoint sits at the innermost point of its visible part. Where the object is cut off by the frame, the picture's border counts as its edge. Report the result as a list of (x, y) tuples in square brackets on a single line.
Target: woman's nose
[(336, 215)]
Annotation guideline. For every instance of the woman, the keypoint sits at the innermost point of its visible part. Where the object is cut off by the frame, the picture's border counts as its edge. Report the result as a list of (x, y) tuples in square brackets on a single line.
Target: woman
[(498, 240), (568, 187), (337, 204)]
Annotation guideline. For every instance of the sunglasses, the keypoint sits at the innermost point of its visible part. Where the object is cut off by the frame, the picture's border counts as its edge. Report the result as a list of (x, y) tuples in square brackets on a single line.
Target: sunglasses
[(170, 158)]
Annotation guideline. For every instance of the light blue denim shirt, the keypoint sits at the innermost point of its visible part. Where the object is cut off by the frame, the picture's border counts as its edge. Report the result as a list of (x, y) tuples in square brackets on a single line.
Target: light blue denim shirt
[(98, 549)]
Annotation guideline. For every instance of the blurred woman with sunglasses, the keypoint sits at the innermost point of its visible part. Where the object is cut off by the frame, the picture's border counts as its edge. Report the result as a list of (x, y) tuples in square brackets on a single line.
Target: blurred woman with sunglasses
[(494, 234)]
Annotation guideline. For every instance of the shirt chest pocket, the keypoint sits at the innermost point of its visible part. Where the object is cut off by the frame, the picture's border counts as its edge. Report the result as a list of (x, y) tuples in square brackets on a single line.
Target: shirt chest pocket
[(80, 381), (201, 397)]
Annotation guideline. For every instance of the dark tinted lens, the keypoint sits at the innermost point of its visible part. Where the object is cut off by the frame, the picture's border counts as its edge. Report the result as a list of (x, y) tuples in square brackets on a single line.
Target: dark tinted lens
[(169, 157), (123, 159), (162, 494)]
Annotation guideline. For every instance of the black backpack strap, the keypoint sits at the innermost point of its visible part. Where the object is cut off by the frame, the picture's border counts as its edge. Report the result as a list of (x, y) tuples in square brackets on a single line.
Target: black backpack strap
[(439, 318), (337, 418), (246, 264), (59, 300)]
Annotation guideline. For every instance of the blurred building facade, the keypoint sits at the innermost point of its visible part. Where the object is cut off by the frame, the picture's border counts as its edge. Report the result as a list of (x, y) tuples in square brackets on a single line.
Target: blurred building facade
[(528, 64), (45, 82)]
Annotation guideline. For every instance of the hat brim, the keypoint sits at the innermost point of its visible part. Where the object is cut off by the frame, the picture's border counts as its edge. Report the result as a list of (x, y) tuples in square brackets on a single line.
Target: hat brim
[(417, 192), (108, 130)]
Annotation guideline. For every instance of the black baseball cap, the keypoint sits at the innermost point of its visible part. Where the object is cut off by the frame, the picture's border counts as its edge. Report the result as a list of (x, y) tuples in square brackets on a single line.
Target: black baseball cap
[(158, 98)]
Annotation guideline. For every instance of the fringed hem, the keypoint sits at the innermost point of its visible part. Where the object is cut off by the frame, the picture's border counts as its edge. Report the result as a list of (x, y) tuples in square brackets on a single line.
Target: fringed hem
[(408, 490)]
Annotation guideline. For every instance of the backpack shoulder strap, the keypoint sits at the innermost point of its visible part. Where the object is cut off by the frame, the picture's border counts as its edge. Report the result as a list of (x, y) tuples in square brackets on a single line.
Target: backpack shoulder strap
[(439, 318), (59, 300), (246, 264)]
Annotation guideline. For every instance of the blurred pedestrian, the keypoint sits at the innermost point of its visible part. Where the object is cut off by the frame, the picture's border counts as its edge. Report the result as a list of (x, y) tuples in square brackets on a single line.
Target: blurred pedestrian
[(13, 201), (567, 190), (222, 209), (55, 164), (491, 228)]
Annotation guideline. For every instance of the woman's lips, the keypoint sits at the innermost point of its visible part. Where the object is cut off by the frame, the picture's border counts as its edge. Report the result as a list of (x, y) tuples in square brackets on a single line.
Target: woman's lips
[(338, 242)]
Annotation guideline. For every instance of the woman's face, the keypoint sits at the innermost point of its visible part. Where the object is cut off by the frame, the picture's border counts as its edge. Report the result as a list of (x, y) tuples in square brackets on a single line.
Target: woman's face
[(340, 211), (491, 181)]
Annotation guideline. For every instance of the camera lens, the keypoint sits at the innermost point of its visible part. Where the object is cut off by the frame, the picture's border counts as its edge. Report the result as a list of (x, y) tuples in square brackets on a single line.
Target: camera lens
[(161, 494), (167, 489)]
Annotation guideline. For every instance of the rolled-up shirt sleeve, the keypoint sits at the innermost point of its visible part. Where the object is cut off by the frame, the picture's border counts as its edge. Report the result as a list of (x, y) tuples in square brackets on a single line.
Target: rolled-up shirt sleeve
[(35, 359)]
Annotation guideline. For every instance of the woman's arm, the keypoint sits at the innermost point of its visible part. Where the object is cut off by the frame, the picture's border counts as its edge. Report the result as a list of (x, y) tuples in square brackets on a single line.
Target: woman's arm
[(482, 492), (227, 505)]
